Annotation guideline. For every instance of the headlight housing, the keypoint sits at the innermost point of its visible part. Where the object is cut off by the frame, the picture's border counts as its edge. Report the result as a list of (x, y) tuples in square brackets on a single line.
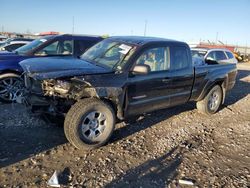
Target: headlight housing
[(54, 87), (62, 86)]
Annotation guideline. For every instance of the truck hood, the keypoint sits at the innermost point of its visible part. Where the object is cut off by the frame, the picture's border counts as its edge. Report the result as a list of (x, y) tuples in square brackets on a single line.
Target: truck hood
[(57, 67)]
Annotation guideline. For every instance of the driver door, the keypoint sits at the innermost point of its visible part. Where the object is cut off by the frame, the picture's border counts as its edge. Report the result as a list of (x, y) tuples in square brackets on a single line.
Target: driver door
[(150, 91)]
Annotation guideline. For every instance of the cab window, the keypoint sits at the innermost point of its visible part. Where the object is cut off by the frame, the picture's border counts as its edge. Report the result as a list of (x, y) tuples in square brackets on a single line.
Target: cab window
[(157, 59)]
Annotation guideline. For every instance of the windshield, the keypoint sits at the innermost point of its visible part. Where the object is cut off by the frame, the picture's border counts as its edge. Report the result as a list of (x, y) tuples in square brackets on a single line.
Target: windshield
[(198, 53), (109, 53), (28, 47)]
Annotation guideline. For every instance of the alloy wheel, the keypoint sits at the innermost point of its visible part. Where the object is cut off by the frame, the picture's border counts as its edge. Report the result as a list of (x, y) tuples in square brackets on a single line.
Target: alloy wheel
[(11, 88), (93, 126)]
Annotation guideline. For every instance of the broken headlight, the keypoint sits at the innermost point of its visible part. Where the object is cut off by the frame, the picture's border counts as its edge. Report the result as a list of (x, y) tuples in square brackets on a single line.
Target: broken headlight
[(54, 87), (61, 86)]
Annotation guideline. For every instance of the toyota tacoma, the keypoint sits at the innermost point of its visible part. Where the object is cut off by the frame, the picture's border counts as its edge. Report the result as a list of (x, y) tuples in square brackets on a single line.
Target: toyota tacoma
[(118, 78)]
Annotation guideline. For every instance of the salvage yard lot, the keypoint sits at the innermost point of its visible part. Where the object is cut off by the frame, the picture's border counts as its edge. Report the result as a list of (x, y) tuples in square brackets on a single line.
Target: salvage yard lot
[(155, 151)]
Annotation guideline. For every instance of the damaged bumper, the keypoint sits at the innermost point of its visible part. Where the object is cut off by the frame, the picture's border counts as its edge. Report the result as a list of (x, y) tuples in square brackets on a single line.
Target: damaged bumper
[(57, 95), (34, 97)]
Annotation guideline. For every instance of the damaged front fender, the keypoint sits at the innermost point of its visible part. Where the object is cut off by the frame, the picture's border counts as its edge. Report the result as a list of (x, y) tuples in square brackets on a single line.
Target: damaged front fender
[(78, 89)]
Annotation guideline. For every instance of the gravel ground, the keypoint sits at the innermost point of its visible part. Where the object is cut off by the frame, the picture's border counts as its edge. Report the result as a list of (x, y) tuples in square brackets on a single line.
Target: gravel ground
[(157, 150)]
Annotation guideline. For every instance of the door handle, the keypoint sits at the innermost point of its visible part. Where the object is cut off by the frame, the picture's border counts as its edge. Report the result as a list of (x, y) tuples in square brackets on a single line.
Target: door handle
[(166, 80)]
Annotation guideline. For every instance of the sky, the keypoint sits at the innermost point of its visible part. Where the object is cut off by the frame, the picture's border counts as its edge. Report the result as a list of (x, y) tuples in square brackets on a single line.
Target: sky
[(186, 20)]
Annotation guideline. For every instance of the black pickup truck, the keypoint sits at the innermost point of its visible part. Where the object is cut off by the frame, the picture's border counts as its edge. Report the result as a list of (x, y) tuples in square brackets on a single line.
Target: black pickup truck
[(118, 78)]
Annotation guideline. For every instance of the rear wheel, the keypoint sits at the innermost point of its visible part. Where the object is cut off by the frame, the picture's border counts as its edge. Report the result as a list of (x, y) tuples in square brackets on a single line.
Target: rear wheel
[(89, 124), (11, 87), (211, 103)]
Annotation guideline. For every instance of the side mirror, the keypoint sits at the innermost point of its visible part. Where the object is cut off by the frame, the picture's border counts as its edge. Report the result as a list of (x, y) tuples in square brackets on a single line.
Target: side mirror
[(141, 69)]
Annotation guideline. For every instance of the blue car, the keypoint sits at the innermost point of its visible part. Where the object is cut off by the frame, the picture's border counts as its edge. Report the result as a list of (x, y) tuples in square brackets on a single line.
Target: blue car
[(11, 83)]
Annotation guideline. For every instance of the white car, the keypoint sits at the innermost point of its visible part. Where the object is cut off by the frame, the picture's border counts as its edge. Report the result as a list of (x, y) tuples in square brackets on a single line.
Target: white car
[(219, 55), (13, 45), (2, 38)]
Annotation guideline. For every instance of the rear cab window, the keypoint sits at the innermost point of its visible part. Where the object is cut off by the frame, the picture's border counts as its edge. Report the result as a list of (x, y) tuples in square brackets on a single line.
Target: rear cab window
[(179, 58)]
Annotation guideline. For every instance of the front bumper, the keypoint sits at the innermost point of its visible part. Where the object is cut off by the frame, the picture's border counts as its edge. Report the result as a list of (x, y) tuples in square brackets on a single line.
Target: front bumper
[(33, 95)]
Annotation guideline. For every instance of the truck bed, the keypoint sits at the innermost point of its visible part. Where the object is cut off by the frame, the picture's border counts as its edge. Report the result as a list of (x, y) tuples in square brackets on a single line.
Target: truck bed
[(207, 75)]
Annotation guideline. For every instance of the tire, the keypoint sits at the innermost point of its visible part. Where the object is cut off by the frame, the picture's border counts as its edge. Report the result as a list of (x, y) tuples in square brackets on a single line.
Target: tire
[(11, 87), (212, 102), (89, 124)]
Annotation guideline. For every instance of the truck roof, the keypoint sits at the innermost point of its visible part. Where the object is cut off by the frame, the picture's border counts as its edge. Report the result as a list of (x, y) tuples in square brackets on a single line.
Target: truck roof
[(139, 40)]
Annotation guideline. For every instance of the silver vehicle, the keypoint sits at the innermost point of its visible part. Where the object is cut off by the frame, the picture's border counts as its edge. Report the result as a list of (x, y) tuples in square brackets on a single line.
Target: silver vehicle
[(219, 55), (13, 45)]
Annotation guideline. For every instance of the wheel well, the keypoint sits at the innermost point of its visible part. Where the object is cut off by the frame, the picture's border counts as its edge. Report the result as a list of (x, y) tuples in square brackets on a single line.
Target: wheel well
[(219, 83), (223, 85), (108, 102)]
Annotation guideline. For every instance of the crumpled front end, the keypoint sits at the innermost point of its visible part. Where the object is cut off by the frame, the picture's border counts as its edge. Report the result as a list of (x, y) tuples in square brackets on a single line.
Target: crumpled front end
[(58, 95), (35, 97)]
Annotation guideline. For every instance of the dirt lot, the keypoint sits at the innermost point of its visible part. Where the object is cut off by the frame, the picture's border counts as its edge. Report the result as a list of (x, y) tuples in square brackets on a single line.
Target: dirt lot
[(156, 151)]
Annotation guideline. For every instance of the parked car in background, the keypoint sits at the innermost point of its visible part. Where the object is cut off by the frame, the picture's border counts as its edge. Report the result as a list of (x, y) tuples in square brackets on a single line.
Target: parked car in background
[(118, 78), (218, 55), (13, 45), (11, 40), (2, 38), (11, 83)]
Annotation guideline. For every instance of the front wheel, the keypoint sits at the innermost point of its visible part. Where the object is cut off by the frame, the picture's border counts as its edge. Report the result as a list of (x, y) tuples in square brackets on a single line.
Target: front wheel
[(11, 87), (89, 124), (211, 103)]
